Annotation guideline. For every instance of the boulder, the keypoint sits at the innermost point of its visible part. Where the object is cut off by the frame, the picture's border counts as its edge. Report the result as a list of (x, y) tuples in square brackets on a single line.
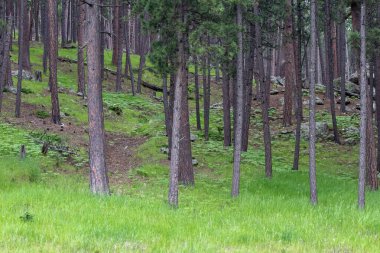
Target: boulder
[(322, 130), (318, 101), (277, 80), (193, 137), (26, 75), (354, 78), (351, 87)]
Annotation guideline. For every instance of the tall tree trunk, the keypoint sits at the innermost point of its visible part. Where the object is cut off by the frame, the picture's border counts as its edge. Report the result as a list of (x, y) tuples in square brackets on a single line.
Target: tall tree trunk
[(25, 38), (363, 111), (53, 55), (98, 169), (250, 64), (180, 84), (21, 26), (226, 106), (342, 62), (297, 42), (128, 64), (103, 12), (7, 34), (115, 31), (186, 172), (81, 44), (206, 98), (264, 82), (330, 68), (36, 19), (312, 124), (64, 22), (289, 66), (119, 47), (196, 94), (141, 65), (166, 110), (377, 87), (239, 110), (355, 15), (45, 35), (3, 38)]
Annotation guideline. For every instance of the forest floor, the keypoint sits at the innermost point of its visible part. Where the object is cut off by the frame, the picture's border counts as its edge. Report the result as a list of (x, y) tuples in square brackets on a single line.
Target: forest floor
[(46, 206)]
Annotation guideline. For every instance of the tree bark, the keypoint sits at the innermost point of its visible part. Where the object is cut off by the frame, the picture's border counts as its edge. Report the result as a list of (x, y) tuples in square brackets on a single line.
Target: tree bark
[(64, 23), (206, 98), (363, 111), (329, 69), (297, 42), (377, 87), (45, 35), (53, 55), (226, 106), (25, 38), (289, 66), (177, 119), (21, 22), (248, 78), (115, 32), (81, 44), (342, 63), (98, 169), (119, 47), (196, 94), (239, 110), (312, 124), (264, 82), (128, 64)]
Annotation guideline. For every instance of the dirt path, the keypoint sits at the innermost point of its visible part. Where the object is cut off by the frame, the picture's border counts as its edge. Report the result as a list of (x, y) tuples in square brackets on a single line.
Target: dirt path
[(120, 149)]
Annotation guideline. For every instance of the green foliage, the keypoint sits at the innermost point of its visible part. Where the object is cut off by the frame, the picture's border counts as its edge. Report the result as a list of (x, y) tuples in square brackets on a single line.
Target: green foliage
[(42, 114)]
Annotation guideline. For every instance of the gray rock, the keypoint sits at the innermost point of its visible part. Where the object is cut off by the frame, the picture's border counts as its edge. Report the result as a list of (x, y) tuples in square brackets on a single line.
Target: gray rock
[(277, 80), (318, 101), (322, 130), (351, 87), (193, 137), (26, 75), (217, 106), (354, 78), (164, 150), (11, 89)]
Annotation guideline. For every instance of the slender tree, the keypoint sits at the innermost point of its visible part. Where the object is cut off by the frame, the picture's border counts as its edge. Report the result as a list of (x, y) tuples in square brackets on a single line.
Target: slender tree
[(176, 133), (119, 45), (289, 66), (264, 82), (81, 44), (363, 106), (53, 55), (20, 57), (98, 169), (196, 94), (206, 97), (312, 130), (239, 110), (226, 106), (64, 23), (329, 67)]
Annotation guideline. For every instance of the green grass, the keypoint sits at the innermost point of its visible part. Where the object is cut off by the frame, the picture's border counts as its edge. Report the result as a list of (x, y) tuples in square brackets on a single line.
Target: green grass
[(45, 204)]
